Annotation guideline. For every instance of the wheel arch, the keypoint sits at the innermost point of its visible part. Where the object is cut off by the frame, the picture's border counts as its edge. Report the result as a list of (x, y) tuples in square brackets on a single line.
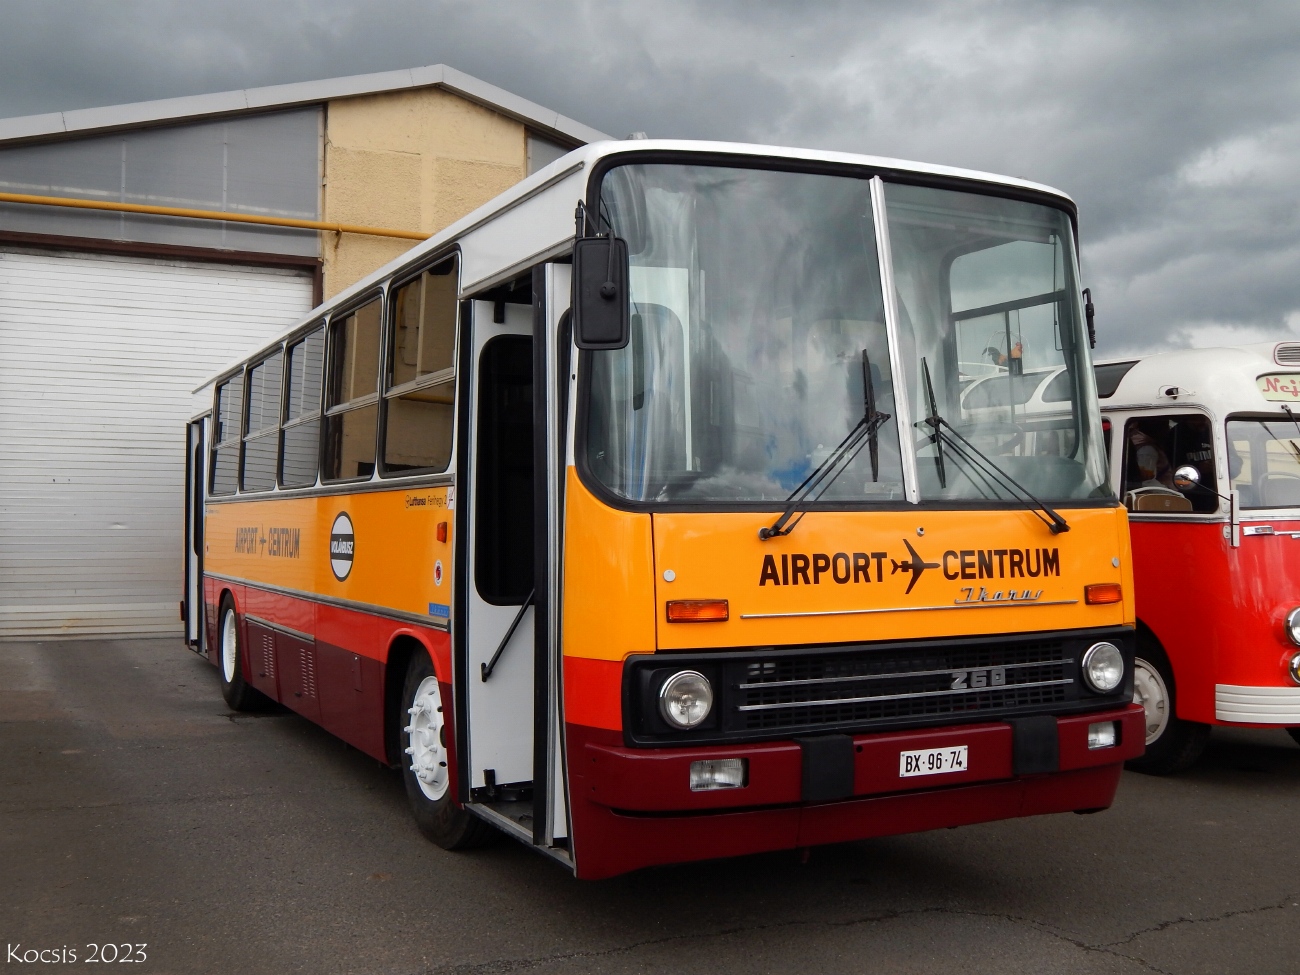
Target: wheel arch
[(1147, 635), (401, 648)]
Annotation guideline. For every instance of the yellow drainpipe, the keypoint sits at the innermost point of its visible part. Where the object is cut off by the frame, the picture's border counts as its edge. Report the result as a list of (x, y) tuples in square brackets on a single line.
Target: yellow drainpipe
[(339, 228)]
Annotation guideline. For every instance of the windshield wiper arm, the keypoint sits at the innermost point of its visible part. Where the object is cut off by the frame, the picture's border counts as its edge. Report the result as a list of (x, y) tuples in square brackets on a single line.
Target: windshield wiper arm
[(825, 473), (934, 419), (982, 464)]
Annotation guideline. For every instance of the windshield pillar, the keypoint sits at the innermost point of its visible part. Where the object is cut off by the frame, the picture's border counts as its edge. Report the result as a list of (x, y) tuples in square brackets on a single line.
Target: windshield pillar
[(898, 366)]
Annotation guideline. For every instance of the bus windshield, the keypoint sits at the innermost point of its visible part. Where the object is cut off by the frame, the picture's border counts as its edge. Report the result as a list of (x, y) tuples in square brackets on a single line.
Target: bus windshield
[(759, 340), (1264, 462), (988, 306)]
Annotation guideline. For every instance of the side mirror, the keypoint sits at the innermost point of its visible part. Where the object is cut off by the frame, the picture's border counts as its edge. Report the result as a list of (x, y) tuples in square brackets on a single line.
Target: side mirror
[(601, 304), (1186, 478)]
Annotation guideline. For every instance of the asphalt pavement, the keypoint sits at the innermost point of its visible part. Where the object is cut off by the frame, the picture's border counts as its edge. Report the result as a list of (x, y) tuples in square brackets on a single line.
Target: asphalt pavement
[(136, 809)]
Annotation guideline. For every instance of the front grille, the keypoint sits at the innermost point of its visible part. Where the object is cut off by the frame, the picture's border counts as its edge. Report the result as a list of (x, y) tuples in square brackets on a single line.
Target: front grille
[(813, 691), (768, 693)]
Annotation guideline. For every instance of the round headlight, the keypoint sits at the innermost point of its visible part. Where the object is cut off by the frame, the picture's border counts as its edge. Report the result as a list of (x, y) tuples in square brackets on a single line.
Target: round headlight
[(685, 699), (1293, 625), (1293, 667), (1103, 667)]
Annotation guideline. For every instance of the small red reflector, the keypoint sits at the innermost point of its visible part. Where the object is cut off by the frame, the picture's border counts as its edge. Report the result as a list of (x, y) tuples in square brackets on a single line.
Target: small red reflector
[(697, 610), (442, 531), (1102, 592)]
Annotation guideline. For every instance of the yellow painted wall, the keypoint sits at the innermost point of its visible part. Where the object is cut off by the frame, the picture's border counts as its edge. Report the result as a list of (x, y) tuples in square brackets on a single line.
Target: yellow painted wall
[(411, 160)]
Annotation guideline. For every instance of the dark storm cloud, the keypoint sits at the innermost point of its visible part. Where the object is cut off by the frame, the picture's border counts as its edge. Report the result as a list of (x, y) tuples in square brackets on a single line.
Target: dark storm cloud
[(1174, 124)]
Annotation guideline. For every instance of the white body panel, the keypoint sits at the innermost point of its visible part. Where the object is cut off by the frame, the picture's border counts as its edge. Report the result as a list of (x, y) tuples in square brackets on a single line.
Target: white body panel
[(1217, 382), (99, 354)]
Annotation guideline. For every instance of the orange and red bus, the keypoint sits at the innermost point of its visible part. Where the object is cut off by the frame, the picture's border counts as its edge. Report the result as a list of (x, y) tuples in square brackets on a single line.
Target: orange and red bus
[(1205, 452), (647, 514)]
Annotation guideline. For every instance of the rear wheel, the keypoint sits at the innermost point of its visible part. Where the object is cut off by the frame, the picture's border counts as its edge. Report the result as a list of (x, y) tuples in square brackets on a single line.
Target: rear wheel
[(426, 765), (1172, 743), (237, 692)]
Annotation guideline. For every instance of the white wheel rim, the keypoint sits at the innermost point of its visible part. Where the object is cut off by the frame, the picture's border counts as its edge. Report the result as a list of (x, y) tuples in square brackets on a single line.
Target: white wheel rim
[(424, 740), (1149, 690), (229, 646)]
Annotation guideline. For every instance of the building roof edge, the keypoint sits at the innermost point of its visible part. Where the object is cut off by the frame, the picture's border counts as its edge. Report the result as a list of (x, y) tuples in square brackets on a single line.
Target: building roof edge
[(86, 121)]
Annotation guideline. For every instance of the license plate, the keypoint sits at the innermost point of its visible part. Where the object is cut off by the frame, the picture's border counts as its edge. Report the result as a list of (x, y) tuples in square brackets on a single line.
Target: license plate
[(932, 761)]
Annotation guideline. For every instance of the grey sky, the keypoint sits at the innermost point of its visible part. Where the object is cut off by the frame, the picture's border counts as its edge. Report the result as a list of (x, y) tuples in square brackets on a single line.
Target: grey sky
[(1176, 125)]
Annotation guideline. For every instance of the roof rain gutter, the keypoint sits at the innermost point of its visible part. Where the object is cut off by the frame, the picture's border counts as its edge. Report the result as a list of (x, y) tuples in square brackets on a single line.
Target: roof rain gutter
[(338, 228)]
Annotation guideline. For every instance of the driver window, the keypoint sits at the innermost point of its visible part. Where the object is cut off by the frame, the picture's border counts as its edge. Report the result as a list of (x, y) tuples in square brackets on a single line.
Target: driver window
[(1155, 447)]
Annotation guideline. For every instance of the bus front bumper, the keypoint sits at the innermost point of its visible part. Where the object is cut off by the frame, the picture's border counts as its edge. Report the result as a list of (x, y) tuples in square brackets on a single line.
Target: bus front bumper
[(634, 807)]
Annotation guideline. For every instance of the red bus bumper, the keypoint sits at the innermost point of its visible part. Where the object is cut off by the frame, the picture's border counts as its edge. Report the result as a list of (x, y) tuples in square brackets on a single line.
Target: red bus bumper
[(633, 807)]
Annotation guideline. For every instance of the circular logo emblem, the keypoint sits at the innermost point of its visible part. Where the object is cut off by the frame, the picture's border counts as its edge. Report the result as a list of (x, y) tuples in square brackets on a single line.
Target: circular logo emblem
[(342, 546), (437, 573)]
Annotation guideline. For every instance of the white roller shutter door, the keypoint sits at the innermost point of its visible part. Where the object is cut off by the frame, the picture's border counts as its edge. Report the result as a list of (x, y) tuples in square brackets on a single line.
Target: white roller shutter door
[(98, 357)]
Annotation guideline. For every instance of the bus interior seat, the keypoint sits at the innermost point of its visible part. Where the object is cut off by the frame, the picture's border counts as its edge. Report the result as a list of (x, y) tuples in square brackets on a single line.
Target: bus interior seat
[(1156, 500), (1279, 490)]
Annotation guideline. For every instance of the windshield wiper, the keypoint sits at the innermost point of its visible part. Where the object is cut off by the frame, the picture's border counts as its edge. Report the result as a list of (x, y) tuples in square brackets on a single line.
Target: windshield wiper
[(980, 463), (825, 473)]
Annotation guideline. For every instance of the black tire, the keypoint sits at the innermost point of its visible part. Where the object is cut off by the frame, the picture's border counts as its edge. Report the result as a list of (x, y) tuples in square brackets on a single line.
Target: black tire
[(230, 663), (440, 817), (1178, 744), (1295, 734)]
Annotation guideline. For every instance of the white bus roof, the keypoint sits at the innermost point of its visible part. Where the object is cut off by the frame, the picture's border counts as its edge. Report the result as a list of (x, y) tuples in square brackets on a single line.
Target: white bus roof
[(1222, 380), (531, 237)]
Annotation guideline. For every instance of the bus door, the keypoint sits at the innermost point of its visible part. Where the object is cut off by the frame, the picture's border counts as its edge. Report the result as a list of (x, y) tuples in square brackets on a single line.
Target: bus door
[(196, 453), (497, 500)]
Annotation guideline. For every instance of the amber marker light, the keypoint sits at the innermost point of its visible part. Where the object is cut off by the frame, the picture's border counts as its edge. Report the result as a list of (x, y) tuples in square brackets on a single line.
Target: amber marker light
[(1100, 593), (697, 610)]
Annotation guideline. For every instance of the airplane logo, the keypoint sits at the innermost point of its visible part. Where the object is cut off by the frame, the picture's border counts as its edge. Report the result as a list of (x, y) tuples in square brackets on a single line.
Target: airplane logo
[(916, 564)]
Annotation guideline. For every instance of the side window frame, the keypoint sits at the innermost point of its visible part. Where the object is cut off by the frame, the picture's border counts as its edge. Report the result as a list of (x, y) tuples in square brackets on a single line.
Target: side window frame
[(232, 440), (313, 412), (328, 411), (1126, 459), (250, 434), (448, 376)]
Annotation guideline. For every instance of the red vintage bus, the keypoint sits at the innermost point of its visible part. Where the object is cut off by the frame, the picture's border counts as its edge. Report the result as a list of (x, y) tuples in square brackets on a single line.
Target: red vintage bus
[(1205, 451)]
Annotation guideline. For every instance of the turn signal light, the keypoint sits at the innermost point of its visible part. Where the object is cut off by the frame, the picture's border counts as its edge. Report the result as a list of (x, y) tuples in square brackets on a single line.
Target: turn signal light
[(442, 531), (1102, 592), (697, 610)]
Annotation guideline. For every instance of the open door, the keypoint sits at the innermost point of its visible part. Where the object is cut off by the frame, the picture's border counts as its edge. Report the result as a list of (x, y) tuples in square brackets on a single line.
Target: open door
[(192, 610), (509, 484), (495, 488)]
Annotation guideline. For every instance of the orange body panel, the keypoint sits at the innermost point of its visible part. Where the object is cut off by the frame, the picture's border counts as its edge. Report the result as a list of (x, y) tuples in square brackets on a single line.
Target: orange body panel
[(397, 564), (845, 576)]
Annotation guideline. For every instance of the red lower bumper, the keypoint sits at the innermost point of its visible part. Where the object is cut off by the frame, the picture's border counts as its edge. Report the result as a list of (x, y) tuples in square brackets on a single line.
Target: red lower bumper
[(632, 807)]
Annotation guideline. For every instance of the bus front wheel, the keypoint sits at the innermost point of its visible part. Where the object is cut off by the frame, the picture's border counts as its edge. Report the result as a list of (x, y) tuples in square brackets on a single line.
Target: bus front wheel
[(1173, 744), (426, 763), (1295, 734), (237, 692)]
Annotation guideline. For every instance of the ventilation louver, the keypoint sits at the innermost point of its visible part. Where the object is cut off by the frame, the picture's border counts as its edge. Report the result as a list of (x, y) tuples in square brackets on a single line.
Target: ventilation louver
[(1287, 354)]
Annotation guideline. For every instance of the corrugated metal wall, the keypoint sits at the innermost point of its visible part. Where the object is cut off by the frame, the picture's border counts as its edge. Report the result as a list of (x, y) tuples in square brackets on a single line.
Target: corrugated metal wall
[(98, 355)]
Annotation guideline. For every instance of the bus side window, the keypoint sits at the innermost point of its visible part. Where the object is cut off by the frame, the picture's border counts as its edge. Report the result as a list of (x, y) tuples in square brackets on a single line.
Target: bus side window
[(503, 521), (261, 442), (225, 455), (352, 403), (1155, 447), (301, 441), (420, 392)]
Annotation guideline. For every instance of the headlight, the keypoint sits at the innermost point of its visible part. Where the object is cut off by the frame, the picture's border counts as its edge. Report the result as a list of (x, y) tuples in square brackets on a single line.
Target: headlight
[(685, 699), (1293, 667), (1293, 625), (1103, 667)]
